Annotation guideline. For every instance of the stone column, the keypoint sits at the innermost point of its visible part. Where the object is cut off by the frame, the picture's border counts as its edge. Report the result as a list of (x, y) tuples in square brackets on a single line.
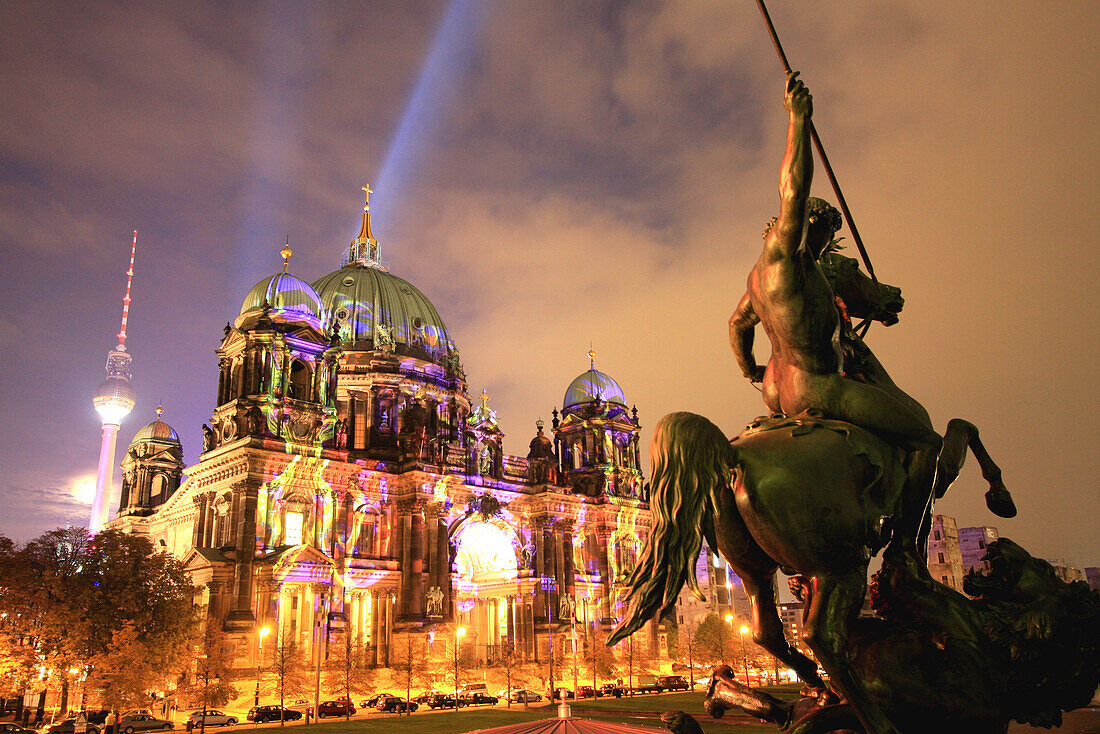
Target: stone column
[(603, 535), (198, 529), (241, 618), (411, 604)]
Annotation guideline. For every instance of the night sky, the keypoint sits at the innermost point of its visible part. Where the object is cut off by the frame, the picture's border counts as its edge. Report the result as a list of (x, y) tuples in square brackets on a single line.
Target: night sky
[(552, 175)]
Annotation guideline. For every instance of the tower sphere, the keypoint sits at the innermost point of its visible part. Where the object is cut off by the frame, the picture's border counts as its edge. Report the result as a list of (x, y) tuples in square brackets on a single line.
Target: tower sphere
[(114, 399)]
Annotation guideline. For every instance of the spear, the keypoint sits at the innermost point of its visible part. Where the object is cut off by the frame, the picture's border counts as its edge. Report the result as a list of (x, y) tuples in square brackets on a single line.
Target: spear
[(820, 150)]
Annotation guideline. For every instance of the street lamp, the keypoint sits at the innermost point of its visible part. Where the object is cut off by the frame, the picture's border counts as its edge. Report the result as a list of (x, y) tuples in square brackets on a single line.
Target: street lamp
[(264, 632), (744, 659), (459, 632)]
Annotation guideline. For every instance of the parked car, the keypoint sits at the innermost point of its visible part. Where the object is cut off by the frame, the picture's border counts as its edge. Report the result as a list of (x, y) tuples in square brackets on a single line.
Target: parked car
[(372, 702), (561, 693), (610, 689), (213, 718), (522, 695), (6, 728), (588, 692), (478, 697), (396, 705), (444, 701), (131, 723), (335, 708), (424, 696), (261, 714), (68, 727), (674, 683)]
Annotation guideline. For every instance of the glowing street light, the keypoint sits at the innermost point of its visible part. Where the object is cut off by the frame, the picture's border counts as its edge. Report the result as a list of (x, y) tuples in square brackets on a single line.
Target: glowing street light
[(459, 632), (263, 632)]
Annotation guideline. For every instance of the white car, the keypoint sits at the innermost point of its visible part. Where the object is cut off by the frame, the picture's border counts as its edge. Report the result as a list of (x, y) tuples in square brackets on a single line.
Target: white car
[(213, 718)]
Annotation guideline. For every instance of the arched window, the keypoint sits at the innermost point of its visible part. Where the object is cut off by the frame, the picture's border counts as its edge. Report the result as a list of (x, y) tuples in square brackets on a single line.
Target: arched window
[(158, 494), (301, 380)]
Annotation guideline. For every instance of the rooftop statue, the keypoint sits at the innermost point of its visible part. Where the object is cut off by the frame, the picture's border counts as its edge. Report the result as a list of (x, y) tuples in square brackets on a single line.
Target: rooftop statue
[(844, 467)]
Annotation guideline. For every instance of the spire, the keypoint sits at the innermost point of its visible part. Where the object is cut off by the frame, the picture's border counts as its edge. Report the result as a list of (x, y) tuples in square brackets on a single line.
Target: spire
[(126, 300), (287, 253), (591, 358), (364, 248), (160, 411)]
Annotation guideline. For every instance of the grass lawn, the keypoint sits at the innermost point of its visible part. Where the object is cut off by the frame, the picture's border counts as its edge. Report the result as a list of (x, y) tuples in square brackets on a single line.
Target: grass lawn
[(640, 710)]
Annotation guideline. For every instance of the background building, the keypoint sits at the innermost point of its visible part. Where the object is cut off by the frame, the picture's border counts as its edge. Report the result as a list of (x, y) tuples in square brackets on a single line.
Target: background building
[(945, 561)]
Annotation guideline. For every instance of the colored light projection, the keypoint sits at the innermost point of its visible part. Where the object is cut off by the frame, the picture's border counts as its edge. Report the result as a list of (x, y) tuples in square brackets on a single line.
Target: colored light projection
[(296, 503), (486, 551)]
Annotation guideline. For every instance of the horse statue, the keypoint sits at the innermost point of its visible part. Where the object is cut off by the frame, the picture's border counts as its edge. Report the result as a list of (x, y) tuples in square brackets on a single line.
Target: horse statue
[(807, 495)]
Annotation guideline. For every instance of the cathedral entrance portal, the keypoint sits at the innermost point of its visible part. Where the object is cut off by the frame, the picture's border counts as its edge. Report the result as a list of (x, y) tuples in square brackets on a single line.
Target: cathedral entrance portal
[(486, 585)]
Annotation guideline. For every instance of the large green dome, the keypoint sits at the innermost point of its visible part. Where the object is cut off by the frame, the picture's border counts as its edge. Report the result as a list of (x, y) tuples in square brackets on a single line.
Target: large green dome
[(363, 297)]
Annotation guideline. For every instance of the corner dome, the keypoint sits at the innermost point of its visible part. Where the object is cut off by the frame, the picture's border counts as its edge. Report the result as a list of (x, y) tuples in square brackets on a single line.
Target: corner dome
[(590, 386), (363, 298), (158, 431), (289, 299)]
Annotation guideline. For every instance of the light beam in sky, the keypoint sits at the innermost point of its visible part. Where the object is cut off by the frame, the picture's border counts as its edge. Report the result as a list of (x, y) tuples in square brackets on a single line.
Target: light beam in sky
[(440, 80)]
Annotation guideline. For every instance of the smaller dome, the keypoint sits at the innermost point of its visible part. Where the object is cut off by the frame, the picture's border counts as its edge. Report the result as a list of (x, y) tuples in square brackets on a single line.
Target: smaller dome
[(591, 386), (289, 298), (158, 431)]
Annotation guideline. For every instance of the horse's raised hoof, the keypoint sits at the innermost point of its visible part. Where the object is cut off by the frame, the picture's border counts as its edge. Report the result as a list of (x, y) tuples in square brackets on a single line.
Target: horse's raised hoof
[(999, 501), (679, 722), (714, 708)]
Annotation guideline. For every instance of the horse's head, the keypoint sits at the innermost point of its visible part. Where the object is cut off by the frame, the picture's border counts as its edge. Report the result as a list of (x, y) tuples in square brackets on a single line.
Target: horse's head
[(863, 297)]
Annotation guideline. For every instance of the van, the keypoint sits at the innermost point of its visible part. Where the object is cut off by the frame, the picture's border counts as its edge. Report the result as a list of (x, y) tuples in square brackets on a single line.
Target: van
[(473, 688)]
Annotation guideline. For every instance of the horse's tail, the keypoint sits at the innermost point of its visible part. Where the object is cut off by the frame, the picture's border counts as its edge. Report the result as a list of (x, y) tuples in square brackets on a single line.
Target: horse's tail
[(691, 463)]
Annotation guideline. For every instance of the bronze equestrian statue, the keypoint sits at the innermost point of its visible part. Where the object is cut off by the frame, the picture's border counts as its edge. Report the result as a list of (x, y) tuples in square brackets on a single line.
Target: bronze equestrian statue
[(846, 466)]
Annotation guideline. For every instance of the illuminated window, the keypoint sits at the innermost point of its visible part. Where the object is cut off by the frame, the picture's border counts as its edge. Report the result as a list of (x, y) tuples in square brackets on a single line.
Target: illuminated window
[(293, 533)]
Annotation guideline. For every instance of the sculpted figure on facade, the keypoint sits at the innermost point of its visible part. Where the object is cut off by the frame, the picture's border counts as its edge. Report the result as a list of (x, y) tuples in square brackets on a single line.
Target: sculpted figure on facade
[(433, 602), (566, 606)]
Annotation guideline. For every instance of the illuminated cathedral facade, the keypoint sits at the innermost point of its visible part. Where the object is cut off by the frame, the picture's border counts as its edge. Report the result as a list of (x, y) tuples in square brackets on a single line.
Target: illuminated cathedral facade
[(348, 482)]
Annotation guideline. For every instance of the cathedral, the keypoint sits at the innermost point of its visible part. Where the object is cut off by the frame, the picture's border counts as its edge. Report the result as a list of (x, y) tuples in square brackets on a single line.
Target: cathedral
[(349, 483)]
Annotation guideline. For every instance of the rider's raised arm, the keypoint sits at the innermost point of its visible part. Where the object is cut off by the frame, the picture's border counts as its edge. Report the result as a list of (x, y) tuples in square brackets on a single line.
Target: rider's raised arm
[(742, 330), (795, 175)]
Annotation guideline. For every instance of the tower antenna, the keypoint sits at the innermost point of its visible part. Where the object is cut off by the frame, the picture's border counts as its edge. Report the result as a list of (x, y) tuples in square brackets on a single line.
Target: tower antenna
[(126, 298)]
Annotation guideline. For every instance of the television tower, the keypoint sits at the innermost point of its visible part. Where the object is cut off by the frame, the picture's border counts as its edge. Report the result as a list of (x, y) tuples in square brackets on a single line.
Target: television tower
[(114, 399)]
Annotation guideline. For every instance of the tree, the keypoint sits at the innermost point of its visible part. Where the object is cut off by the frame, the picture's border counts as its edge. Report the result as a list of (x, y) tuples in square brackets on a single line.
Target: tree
[(714, 640), (122, 674), (686, 649), (509, 662), (36, 580), (288, 668), (208, 681), (66, 595), (600, 657), (344, 672), (410, 662)]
